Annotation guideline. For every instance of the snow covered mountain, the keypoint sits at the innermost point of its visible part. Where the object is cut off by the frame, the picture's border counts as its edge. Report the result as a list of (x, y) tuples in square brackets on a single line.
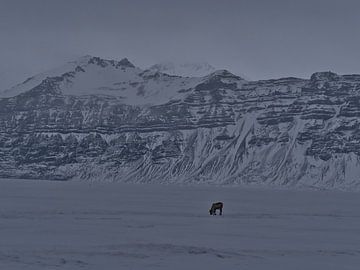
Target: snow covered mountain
[(184, 69), (121, 79), (109, 120)]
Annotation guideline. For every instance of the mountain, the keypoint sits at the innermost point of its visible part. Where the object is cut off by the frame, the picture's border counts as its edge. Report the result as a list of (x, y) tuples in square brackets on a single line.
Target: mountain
[(89, 75), (184, 69), (109, 120)]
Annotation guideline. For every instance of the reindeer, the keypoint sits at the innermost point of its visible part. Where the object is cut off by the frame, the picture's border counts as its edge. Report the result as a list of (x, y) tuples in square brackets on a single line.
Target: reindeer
[(215, 206)]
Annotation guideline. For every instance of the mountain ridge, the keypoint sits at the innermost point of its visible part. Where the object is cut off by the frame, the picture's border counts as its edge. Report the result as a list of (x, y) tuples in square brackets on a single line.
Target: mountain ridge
[(218, 128)]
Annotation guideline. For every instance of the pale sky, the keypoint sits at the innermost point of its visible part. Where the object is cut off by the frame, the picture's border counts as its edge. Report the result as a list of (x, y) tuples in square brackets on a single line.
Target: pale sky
[(258, 38)]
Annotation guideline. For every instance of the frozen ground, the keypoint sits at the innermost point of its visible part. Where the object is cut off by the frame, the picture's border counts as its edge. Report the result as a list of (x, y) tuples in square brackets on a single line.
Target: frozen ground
[(72, 225)]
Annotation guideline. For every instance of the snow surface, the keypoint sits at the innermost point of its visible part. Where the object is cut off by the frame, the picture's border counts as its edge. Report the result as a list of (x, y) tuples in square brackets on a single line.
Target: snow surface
[(78, 225)]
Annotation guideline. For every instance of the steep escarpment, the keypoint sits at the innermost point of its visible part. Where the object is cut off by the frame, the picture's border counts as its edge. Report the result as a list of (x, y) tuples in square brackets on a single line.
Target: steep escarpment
[(108, 120)]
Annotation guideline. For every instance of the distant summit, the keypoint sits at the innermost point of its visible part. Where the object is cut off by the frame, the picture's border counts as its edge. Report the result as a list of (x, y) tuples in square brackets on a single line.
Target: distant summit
[(184, 69)]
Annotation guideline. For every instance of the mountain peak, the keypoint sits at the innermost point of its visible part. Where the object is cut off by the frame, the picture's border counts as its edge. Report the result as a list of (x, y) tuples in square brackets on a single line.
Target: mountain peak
[(324, 76), (224, 73), (95, 60), (126, 63), (184, 69), (86, 64)]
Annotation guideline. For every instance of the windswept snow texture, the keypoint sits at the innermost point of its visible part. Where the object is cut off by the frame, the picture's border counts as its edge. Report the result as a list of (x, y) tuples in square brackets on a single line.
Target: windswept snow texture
[(73, 225), (109, 120)]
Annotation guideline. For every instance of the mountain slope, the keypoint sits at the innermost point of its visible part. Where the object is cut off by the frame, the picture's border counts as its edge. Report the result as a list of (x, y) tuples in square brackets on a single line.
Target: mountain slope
[(214, 129)]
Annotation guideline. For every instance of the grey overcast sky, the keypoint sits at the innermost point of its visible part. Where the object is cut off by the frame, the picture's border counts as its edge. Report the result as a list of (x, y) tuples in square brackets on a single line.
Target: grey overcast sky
[(259, 38)]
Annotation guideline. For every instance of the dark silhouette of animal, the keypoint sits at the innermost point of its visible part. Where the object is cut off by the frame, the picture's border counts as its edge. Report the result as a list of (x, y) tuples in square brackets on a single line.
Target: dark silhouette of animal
[(214, 207)]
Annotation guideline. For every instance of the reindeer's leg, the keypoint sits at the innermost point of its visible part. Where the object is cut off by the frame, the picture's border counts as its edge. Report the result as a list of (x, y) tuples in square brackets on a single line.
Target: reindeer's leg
[(220, 211)]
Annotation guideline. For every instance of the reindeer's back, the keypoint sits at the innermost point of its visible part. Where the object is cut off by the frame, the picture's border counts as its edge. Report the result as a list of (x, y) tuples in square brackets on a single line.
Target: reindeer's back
[(218, 205)]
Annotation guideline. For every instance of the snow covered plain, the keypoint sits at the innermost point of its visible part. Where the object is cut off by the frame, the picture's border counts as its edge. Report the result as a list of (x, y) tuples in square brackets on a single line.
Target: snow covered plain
[(77, 225)]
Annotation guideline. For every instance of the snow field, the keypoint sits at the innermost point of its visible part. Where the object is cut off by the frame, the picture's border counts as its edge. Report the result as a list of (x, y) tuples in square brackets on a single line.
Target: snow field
[(79, 225)]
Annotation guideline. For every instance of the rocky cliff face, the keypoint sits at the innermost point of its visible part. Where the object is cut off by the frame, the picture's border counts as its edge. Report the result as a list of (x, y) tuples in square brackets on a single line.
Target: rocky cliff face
[(145, 126)]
